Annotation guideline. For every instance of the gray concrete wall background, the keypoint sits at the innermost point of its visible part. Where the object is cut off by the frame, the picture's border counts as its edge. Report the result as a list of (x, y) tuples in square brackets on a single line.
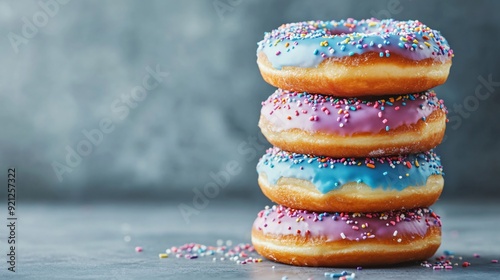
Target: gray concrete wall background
[(78, 68)]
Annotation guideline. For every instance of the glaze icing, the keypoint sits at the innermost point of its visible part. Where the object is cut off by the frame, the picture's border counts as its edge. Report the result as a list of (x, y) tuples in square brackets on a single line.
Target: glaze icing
[(307, 44), (345, 116), (327, 174), (398, 226)]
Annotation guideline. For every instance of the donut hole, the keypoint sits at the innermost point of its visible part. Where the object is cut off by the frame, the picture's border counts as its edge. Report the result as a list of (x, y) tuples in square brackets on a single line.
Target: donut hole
[(336, 32)]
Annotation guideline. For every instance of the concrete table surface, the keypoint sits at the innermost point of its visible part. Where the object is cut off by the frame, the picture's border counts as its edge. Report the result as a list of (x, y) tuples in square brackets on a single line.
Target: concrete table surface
[(98, 240)]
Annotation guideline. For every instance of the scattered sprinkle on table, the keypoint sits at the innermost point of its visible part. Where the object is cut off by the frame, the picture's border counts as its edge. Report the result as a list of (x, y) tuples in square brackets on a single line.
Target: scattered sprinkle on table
[(240, 254), (344, 275)]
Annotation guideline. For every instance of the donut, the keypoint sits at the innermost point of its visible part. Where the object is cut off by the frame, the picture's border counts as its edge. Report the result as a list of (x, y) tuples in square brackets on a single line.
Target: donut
[(319, 183), (350, 57), (352, 127), (305, 238)]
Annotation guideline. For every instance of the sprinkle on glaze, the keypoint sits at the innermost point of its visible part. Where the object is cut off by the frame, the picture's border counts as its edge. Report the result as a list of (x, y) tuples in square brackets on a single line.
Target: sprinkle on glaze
[(287, 110), (396, 226), (327, 174), (307, 44)]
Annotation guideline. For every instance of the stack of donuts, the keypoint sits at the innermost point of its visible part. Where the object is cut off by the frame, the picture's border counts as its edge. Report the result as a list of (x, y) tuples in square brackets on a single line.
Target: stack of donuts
[(353, 123)]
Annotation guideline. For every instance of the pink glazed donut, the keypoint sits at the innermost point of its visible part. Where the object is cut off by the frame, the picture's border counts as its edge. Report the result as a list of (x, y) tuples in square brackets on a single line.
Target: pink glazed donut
[(305, 238), (352, 127)]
